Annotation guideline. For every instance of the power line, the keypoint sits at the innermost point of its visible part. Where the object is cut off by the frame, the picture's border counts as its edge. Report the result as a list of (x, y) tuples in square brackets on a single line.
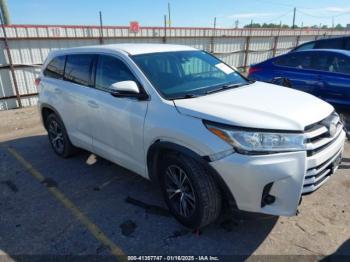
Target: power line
[(347, 12), (274, 3), (278, 17), (323, 16)]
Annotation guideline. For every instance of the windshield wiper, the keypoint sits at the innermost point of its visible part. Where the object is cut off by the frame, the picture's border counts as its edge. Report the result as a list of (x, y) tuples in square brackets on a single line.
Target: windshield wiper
[(224, 87), (186, 96)]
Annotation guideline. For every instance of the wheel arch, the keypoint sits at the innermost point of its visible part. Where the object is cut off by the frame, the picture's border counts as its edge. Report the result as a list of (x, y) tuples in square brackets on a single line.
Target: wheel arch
[(45, 111), (159, 148)]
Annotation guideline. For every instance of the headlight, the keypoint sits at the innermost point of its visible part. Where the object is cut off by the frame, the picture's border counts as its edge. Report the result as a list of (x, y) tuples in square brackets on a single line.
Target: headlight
[(251, 141)]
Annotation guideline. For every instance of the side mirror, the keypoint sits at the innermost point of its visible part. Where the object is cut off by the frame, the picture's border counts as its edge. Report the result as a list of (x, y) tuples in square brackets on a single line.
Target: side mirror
[(281, 81), (126, 89)]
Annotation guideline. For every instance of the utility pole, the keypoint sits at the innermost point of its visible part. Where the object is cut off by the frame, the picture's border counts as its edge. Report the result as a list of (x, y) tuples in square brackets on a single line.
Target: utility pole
[(12, 68), (165, 21), (5, 12), (169, 17), (294, 17), (212, 36), (332, 21), (101, 29)]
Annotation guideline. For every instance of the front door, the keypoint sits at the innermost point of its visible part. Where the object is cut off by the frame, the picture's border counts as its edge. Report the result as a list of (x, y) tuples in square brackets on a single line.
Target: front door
[(118, 121)]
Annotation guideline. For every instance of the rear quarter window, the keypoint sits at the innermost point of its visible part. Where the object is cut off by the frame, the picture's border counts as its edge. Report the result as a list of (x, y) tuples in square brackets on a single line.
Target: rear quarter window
[(55, 68)]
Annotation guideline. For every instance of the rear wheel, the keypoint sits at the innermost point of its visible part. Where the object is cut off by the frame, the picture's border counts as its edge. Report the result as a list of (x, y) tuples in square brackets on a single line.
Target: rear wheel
[(189, 191), (58, 137)]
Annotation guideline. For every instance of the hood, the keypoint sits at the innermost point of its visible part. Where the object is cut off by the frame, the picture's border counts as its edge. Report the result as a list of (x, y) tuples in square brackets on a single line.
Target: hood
[(258, 105)]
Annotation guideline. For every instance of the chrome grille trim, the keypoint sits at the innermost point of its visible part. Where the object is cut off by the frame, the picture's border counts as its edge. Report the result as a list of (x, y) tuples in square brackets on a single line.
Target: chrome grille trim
[(324, 141), (316, 131), (316, 170), (323, 149), (312, 188), (314, 179)]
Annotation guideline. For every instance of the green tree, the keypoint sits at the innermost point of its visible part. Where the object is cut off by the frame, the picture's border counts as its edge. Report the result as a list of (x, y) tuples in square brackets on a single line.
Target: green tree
[(339, 26), (253, 25)]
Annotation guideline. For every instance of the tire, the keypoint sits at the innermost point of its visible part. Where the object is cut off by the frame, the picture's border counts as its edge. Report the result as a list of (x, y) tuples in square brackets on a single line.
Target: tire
[(198, 190), (58, 137)]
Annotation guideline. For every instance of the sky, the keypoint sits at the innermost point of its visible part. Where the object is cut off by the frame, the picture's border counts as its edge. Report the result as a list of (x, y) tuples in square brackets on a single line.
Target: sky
[(194, 13)]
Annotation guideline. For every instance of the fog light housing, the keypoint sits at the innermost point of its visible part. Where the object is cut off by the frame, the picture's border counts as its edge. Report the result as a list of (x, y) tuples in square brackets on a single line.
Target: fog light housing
[(266, 198)]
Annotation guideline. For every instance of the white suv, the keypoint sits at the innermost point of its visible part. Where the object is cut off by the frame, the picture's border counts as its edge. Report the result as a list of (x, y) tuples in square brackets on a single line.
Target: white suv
[(193, 125)]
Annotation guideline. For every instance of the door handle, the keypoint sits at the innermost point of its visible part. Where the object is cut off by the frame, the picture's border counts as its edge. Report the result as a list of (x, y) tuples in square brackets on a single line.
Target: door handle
[(92, 104)]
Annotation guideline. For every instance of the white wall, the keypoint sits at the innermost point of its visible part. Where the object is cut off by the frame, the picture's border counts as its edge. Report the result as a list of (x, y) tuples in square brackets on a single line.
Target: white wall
[(29, 46)]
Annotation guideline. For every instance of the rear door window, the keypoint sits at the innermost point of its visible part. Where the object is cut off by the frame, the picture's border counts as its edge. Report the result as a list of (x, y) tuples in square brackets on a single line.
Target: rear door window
[(78, 69), (329, 62), (340, 64), (55, 68), (110, 70)]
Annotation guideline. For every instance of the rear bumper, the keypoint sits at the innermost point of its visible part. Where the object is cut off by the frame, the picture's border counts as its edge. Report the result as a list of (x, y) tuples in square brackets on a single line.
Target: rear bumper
[(291, 175)]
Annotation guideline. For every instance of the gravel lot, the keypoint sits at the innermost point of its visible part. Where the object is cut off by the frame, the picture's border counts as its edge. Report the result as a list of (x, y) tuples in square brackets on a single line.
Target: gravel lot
[(129, 212)]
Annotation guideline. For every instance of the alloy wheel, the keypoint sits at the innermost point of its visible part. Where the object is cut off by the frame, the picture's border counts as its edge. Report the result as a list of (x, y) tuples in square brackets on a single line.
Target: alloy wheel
[(56, 136), (180, 191)]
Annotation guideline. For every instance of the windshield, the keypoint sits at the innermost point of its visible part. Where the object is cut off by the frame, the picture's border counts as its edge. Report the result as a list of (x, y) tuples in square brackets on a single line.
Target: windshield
[(187, 74)]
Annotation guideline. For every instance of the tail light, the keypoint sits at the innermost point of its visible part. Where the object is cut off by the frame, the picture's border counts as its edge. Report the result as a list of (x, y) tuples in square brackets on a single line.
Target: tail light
[(37, 81), (253, 70)]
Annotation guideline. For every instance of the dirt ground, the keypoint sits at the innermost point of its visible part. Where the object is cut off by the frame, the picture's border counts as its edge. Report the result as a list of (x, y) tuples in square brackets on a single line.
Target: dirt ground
[(85, 205)]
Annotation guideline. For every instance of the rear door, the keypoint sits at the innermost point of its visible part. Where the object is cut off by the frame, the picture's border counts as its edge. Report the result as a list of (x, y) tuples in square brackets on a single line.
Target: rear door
[(118, 121), (76, 92), (335, 78)]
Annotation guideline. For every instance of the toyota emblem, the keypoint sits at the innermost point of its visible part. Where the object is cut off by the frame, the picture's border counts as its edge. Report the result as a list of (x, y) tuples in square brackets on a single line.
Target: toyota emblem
[(332, 129)]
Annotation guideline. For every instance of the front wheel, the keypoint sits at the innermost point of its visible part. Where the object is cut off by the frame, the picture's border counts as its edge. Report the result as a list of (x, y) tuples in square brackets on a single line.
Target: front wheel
[(190, 193)]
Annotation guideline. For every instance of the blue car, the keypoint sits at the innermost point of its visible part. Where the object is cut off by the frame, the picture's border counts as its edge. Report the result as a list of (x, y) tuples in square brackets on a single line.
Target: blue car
[(324, 73)]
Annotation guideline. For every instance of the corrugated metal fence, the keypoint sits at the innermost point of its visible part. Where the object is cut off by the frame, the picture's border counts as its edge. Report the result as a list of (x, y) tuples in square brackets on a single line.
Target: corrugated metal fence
[(30, 44)]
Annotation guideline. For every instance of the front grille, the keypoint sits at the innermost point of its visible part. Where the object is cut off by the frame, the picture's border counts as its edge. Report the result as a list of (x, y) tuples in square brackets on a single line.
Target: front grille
[(320, 137), (316, 176)]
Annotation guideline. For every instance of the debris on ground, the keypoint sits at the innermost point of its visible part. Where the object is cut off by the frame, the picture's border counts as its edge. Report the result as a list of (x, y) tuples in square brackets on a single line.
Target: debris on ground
[(128, 227)]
